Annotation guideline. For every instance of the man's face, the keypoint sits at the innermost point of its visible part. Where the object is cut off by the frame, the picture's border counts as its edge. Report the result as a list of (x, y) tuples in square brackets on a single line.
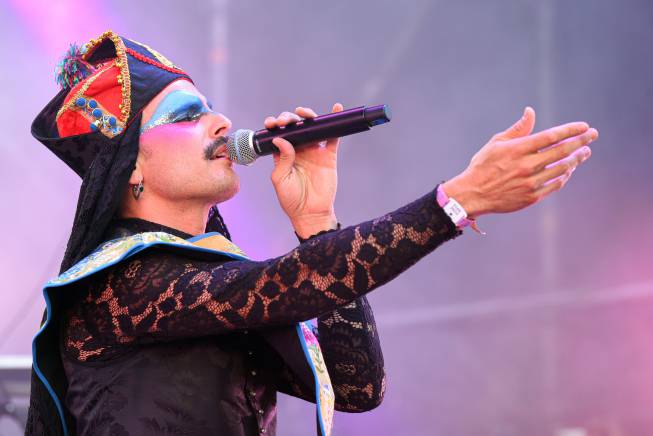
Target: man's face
[(181, 147)]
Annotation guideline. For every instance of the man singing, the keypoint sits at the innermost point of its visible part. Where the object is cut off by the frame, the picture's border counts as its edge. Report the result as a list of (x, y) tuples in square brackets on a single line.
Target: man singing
[(159, 324)]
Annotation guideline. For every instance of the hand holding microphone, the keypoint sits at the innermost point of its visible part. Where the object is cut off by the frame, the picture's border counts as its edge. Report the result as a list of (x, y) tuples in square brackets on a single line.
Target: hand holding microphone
[(514, 170), (245, 146), (305, 179), (305, 174)]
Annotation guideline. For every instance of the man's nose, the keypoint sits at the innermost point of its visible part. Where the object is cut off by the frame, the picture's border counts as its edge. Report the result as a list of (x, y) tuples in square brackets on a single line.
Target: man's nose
[(219, 125)]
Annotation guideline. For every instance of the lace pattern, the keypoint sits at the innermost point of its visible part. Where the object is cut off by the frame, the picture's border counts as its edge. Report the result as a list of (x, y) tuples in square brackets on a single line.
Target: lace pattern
[(159, 295)]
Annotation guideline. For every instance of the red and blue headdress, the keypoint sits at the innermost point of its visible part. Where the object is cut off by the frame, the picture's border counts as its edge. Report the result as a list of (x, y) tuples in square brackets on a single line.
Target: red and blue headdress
[(105, 85)]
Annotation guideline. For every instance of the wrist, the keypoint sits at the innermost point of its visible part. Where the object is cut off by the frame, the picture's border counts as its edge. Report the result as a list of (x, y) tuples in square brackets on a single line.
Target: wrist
[(457, 189), (320, 233), (309, 225), (455, 211)]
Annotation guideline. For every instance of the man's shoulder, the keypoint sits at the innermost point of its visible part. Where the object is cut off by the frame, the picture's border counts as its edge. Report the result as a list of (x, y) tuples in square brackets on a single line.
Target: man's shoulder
[(112, 252), (207, 247)]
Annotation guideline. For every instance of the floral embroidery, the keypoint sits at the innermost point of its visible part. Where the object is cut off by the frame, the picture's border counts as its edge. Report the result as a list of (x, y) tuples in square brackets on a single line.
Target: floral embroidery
[(326, 397)]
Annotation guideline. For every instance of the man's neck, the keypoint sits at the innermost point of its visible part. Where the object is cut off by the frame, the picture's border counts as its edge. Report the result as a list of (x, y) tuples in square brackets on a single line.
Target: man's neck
[(184, 216)]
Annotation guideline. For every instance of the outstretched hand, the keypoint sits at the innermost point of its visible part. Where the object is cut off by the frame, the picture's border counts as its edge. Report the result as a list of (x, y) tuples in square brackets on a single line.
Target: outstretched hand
[(305, 179), (516, 169)]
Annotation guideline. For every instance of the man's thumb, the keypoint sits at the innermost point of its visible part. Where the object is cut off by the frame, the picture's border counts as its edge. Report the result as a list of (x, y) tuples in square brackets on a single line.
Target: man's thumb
[(523, 127), (285, 159)]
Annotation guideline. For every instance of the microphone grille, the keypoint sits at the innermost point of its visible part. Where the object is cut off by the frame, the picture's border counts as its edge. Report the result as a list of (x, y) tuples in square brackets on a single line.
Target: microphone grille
[(240, 146)]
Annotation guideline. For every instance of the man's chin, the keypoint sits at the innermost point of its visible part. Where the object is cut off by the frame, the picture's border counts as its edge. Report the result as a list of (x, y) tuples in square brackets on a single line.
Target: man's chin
[(227, 191)]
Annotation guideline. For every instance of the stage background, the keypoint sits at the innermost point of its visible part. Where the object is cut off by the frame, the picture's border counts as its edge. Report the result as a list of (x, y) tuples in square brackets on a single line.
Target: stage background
[(543, 327)]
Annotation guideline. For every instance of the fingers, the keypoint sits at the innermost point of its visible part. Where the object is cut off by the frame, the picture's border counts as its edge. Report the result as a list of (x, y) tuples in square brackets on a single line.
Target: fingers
[(332, 144), (270, 123), (563, 168), (286, 118), (565, 148), (284, 160), (305, 112), (552, 186), (283, 119), (553, 135), (523, 127)]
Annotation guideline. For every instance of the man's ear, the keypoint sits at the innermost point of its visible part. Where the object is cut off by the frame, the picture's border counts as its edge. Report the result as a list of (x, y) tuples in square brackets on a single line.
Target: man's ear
[(137, 175)]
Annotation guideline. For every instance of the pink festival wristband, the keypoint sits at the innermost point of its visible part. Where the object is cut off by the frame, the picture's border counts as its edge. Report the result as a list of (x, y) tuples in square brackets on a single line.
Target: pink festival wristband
[(455, 211)]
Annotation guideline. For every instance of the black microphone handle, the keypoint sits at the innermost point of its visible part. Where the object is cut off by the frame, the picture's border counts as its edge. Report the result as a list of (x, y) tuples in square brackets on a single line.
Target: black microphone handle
[(333, 125)]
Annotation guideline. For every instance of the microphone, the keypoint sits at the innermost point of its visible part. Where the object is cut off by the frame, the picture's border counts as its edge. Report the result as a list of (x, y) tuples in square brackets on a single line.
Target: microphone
[(245, 146)]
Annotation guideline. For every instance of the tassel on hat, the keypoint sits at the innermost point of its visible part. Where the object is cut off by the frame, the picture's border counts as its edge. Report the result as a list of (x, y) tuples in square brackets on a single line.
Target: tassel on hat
[(72, 68)]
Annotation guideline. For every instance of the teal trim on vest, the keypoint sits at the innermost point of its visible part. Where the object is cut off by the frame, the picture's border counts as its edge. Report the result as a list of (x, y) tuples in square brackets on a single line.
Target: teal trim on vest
[(318, 402), (37, 369), (204, 235), (109, 254)]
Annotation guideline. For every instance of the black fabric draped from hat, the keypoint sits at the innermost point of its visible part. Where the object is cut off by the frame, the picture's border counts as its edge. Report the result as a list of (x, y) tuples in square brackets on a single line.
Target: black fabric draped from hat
[(105, 163)]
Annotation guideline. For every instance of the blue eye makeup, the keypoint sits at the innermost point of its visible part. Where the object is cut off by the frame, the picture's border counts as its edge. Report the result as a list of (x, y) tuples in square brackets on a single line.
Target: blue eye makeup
[(176, 107)]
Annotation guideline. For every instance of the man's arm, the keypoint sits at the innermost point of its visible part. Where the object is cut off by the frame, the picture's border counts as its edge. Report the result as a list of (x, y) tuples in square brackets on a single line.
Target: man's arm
[(352, 353), (159, 295)]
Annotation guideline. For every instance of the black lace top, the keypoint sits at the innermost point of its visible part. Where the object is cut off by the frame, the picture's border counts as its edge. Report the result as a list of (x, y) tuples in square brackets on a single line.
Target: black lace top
[(161, 297)]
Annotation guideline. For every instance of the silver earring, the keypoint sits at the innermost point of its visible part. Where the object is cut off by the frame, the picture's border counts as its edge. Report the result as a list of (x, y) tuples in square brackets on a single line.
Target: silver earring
[(137, 189)]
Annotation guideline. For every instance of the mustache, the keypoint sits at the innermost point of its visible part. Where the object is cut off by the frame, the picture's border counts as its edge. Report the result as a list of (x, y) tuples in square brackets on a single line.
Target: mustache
[(210, 149)]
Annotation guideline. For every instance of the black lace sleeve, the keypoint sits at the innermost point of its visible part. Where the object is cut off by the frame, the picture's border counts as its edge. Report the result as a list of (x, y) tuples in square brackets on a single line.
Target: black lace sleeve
[(159, 295), (352, 353)]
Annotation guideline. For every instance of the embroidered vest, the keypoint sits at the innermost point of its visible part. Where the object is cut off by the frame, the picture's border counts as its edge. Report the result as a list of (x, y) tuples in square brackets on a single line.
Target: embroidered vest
[(48, 367)]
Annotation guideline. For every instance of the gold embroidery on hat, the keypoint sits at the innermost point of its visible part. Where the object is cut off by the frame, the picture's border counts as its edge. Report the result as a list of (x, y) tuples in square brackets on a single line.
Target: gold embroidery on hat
[(71, 102), (164, 60), (124, 78), (102, 123)]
